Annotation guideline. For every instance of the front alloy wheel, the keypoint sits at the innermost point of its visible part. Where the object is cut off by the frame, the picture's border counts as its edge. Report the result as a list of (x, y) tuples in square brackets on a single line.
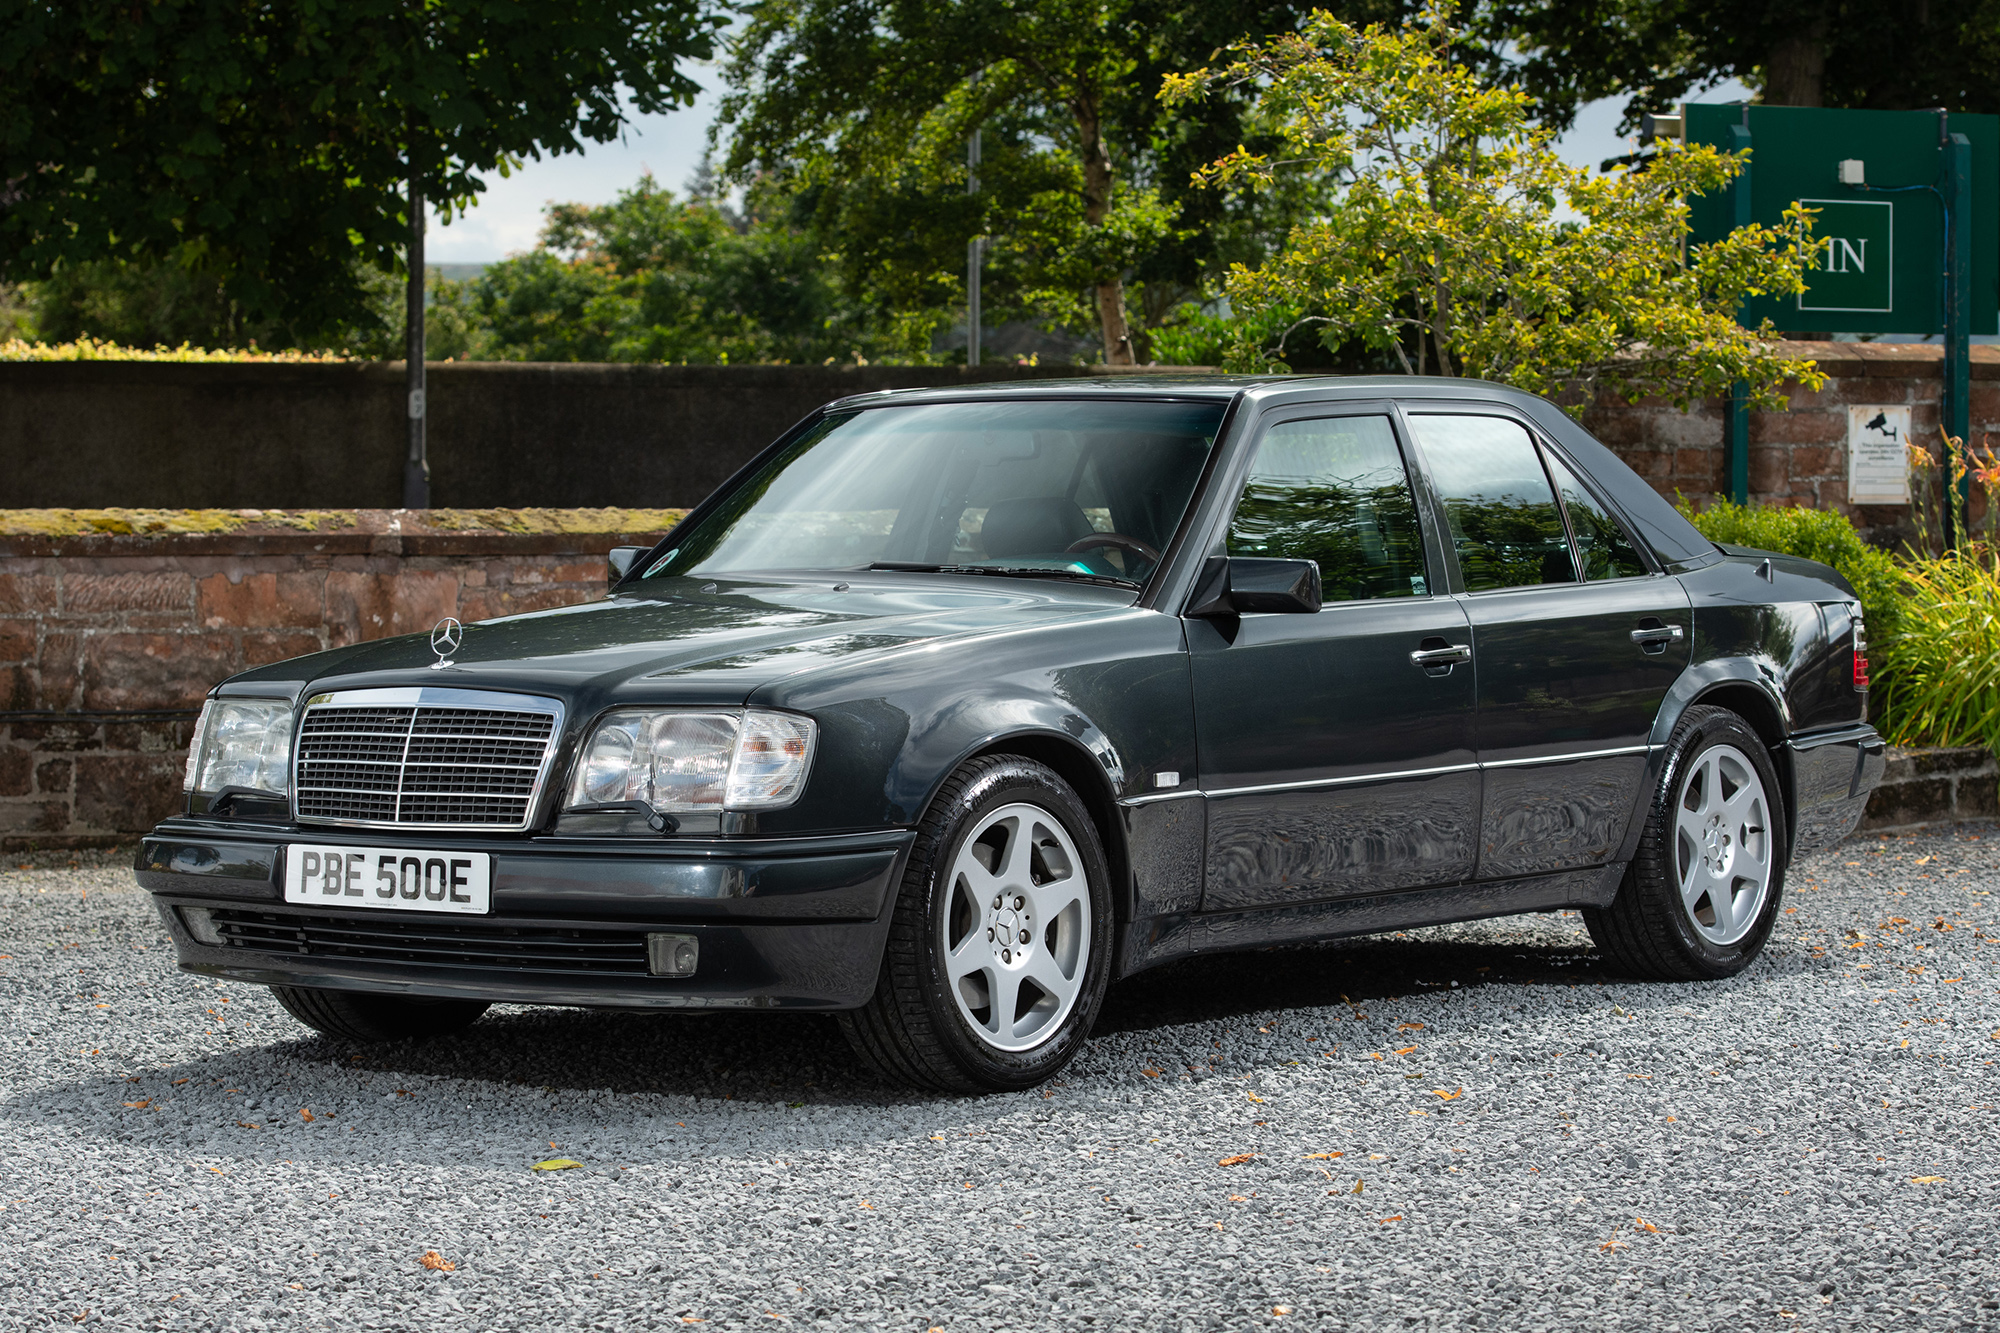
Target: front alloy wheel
[(1016, 930), (999, 949)]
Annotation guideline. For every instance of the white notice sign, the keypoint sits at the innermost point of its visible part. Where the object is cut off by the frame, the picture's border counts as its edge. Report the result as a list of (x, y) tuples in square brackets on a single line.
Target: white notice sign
[(1878, 469)]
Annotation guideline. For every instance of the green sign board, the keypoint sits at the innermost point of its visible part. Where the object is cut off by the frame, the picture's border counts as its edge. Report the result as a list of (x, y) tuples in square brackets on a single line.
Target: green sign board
[(1882, 237)]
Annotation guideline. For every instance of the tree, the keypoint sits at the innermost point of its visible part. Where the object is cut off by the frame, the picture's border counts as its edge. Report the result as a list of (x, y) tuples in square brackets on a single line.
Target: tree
[(864, 108), (1447, 243), (650, 277), (271, 147), (1841, 53)]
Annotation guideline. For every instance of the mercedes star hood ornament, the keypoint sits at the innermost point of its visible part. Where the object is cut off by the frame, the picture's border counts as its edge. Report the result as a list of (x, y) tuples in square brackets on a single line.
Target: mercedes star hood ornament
[(445, 639)]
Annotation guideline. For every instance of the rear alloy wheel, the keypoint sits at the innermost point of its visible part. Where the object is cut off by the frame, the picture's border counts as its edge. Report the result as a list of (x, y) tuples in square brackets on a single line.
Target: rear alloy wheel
[(998, 956), (360, 1016), (1702, 893)]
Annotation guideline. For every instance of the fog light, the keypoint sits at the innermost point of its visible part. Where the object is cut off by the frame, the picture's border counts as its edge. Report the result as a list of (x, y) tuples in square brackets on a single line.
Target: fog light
[(672, 955), (200, 923)]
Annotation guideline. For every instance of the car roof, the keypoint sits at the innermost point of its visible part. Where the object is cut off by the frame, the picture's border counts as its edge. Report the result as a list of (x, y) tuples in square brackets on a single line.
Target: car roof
[(1672, 537), (1151, 384)]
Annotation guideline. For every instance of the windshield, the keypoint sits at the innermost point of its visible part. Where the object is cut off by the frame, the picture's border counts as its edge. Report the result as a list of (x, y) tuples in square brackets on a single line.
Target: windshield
[(1054, 487)]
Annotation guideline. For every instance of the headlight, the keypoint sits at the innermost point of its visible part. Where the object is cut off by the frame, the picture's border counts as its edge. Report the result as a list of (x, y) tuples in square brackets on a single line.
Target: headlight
[(677, 761), (241, 743)]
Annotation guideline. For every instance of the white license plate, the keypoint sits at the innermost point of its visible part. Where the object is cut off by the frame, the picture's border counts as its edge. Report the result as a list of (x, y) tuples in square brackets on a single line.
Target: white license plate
[(388, 877)]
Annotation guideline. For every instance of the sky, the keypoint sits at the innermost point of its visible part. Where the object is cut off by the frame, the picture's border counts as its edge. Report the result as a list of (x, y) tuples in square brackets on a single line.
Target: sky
[(508, 216)]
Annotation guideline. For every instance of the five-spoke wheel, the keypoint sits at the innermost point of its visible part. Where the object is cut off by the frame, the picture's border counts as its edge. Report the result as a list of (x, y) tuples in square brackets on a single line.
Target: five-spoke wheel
[(1699, 898), (999, 948), (1016, 929)]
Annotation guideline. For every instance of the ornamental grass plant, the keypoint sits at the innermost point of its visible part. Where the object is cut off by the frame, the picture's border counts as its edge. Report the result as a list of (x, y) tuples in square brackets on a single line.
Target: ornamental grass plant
[(1937, 679)]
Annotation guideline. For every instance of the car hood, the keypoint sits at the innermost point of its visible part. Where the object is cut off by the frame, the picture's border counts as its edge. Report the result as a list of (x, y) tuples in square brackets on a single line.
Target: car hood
[(715, 641)]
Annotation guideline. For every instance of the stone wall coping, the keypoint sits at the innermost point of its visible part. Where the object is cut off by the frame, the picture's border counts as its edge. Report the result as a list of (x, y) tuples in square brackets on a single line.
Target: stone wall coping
[(394, 532), (1888, 360)]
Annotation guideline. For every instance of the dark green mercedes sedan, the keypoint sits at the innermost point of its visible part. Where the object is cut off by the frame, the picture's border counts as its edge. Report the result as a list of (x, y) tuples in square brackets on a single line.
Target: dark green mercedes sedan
[(953, 707)]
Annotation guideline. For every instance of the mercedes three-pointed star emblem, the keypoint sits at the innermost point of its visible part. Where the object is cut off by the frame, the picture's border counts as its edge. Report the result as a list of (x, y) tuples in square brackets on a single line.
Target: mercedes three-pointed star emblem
[(445, 638)]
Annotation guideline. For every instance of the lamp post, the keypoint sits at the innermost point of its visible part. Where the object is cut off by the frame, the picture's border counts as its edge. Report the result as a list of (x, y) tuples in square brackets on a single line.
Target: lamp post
[(972, 257), (417, 466)]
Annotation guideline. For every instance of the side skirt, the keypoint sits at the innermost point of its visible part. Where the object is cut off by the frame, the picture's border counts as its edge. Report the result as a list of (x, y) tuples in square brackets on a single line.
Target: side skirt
[(1160, 939)]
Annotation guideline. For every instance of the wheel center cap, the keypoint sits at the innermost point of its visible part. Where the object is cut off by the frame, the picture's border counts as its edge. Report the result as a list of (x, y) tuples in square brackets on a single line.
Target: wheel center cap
[(1011, 931), (1716, 848)]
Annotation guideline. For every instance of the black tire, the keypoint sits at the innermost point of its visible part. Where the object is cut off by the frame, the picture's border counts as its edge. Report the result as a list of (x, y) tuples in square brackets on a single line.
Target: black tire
[(911, 1030), (1647, 931), (359, 1016)]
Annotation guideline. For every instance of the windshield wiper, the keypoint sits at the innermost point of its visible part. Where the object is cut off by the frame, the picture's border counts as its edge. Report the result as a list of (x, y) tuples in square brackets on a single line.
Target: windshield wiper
[(1011, 571)]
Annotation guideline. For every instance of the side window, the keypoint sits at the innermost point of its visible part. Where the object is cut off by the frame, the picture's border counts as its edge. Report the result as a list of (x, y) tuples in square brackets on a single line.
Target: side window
[(1602, 547), (1501, 510), (1334, 491)]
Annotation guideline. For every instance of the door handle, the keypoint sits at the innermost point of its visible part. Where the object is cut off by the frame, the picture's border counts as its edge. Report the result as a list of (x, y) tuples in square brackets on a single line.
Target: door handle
[(1447, 656), (1655, 638)]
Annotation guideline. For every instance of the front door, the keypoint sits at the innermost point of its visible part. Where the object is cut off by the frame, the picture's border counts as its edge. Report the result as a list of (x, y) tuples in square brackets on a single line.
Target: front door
[(1333, 762), (1575, 638)]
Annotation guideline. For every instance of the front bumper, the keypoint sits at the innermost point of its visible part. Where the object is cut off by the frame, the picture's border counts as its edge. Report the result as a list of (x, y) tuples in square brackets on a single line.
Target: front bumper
[(1833, 774), (793, 923)]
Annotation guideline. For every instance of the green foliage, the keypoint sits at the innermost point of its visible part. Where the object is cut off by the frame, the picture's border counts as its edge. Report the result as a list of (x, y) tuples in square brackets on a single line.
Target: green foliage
[(650, 277), (1824, 535), (1937, 681), (88, 349), (864, 107), (265, 148), (1448, 245), (1891, 57)]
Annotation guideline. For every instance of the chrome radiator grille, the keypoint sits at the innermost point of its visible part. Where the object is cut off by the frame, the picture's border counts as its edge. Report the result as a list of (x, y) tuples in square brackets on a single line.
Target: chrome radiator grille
[(429, 758)]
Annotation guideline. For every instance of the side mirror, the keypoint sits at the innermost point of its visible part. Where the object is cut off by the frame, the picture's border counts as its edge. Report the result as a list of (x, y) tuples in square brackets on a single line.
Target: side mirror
[(619, 561), (1231, 585)]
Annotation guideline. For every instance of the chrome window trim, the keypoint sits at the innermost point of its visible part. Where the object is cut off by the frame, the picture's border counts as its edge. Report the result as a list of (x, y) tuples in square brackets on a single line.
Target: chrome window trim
[(1392, 775), (435, 696)]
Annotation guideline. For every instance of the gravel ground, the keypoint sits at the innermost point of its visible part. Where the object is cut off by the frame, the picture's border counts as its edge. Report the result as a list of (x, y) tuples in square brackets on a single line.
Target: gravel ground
[(1466, 1126)]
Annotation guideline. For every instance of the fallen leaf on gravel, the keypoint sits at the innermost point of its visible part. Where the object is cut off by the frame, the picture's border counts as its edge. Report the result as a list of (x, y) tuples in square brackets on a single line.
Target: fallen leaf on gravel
[(1281, 1310), (1613, 1244), (869, 1206), (1409, 1027), (1387, 1220), (1926, 1180), (306, 1115), (1254, 1097), (1237, 1160), (1641, 1224), (556, 1164), (1451, 1096), (1323, 1156), (245, 1124), (1420, 1113), (437, 1263), (1357, 1187), (140, 1106), (1150, 1072), (1406, 1050), (1239, 1198)]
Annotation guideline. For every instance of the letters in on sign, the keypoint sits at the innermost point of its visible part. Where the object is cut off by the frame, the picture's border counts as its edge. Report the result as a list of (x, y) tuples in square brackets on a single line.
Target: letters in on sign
[(1878, 461), (394, 878)]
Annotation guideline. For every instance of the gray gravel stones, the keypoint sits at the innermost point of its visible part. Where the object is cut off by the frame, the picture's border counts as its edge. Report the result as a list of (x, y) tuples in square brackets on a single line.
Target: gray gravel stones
[(1470, 1126)]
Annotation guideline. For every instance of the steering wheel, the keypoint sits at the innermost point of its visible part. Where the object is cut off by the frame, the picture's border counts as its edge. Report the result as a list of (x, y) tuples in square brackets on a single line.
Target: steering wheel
[(1117, 539)]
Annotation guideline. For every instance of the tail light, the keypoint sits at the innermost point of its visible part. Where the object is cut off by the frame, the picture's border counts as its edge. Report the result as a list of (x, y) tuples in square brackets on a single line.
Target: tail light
[(1860, 652)]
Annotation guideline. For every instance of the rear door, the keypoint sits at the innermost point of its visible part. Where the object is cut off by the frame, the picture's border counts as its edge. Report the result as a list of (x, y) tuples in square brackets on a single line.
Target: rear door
[(1334, 762), (1576, 640)]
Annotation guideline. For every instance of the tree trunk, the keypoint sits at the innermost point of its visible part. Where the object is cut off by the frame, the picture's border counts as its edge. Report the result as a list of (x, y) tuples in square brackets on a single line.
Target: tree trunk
[(1795, 71), (1097, 207)]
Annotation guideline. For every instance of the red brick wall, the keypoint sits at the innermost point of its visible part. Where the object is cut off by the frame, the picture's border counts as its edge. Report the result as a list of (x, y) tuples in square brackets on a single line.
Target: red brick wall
[(1799, 456), (109, 642)]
